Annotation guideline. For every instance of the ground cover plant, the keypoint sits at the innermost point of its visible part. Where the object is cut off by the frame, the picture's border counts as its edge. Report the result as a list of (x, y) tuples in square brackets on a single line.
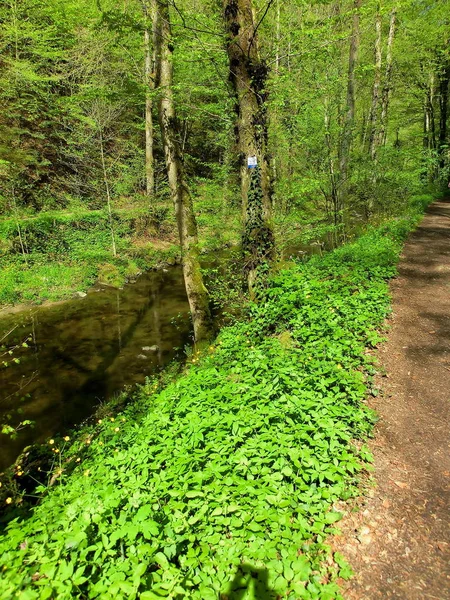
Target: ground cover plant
[(226, 479), (51, 255)]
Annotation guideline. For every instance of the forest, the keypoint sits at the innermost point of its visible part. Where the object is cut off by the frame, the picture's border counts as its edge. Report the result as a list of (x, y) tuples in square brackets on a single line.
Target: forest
[(346, 111), (278, 153)]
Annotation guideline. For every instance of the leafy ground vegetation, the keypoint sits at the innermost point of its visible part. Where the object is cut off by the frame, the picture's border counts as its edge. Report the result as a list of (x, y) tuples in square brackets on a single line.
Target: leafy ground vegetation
[(228, 477)]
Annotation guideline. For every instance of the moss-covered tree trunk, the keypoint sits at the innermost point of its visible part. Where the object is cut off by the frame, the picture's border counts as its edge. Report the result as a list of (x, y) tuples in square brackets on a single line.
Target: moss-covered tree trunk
[(187, 226), (248, 74)]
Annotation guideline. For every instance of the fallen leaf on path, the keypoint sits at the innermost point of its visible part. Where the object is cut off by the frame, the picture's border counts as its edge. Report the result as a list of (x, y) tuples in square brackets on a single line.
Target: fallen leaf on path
[(401, 484)]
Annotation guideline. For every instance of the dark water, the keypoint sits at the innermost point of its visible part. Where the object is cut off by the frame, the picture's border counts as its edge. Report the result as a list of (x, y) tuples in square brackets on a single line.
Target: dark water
[(82, 352)]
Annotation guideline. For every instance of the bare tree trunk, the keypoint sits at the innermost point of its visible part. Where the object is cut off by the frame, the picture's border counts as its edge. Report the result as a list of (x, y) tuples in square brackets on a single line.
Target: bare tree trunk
[(387, 87), (184, 212), (444, 80), (277, 40), (248, 74), (426, 125), (108, 194), (429, 129), (373, 118), (149, 68), (349, 116), (431, 115), (331, 167)]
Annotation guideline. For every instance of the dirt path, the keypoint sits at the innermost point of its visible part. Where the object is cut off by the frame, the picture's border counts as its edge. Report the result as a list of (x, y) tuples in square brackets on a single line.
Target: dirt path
[(398, 543)]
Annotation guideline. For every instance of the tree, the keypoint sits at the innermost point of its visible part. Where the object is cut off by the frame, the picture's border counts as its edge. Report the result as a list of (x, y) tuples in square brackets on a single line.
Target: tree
[(149, 75), (349, 114), (386, 93), (444, 80), (182, 200), (248, 74), (373, 118)]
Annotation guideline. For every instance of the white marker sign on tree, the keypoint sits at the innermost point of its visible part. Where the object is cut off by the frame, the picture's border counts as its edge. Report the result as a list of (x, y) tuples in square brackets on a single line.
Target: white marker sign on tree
[(252, 162)]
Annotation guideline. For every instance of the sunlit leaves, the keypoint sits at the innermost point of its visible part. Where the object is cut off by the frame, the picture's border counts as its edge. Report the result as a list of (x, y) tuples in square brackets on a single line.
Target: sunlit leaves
[(229, 475)]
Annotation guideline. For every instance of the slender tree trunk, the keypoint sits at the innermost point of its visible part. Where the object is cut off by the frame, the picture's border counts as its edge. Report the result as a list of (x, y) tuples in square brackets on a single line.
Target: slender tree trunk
[(429, 129), (248, 74), (387, 87), (349, 116), (149, 69), (331, 168), (108, 194), (277, 40), (184, 212), (444, 80), (429, 125), (16, 217), (373, 117), (431, 115)]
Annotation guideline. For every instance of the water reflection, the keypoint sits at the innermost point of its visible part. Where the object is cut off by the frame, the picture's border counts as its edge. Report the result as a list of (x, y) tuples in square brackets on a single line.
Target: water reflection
[(83, 351)]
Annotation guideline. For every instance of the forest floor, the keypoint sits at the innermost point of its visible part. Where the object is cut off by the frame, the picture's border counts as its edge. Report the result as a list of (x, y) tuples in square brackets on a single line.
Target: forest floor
[(398, 542)]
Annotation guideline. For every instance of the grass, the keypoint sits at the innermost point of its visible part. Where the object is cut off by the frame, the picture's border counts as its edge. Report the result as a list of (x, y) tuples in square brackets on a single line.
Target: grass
[(68, 251), (224, 482)]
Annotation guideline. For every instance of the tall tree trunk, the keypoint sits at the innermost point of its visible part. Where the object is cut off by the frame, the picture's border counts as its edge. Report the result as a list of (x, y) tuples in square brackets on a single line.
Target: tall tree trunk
[(108, 194), (430, 116), (349, 116), (277, 40), (429, 129), (387, 87), (149, 68), (331, 169), (248, 74), (373, 117), (184, 212), (444, 80)]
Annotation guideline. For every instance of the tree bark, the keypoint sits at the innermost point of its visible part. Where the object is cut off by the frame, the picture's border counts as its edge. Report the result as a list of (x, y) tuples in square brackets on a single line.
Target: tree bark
[(387, 87), (349, 116), (373, 117), (429, 118), (248, 74), (149, 68), (334, 195), (184, 212), (444, 79), (108, 194), (277, 40)]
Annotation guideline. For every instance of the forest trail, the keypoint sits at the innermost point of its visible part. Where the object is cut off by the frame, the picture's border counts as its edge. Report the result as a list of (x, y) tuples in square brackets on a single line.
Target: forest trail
[(398, 543)]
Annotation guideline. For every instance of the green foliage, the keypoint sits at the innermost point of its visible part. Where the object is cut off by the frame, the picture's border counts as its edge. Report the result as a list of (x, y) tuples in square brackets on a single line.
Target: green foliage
[(65, 252), (233, 468)]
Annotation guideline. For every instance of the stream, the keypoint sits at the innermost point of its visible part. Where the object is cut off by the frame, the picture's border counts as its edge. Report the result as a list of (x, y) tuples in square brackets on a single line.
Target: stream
[(83, 351)]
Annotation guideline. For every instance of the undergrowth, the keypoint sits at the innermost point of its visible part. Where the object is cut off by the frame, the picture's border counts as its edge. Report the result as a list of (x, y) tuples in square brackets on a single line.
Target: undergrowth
[(227, 479), (51, 255)]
